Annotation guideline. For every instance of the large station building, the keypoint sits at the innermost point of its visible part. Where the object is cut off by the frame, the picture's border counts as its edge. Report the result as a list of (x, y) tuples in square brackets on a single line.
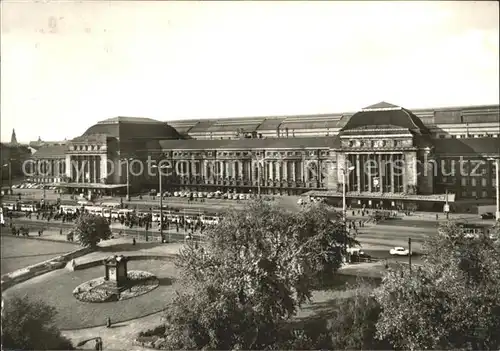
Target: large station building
[(387, 155)]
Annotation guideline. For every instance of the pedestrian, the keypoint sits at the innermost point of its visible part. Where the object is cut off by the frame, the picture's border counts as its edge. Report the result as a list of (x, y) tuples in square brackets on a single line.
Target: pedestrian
[(133, 241), (437, 216), (108, 323)]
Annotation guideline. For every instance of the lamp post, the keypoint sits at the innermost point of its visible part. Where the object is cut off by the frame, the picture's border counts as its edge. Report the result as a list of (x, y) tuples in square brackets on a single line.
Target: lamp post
[(344, 206), (260, 163), (160, 175), (497, 177), (10, 175), (128, 175)]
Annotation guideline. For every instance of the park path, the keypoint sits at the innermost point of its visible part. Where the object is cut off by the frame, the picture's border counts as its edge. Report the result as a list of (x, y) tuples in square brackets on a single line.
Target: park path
[(120, 336)]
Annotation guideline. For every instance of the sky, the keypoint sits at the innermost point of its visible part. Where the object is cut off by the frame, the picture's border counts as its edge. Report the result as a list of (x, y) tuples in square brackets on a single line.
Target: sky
[(66, 65)]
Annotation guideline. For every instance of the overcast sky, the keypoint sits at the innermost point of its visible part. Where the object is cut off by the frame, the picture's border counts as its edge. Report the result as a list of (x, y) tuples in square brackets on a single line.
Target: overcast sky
[(67, 65)]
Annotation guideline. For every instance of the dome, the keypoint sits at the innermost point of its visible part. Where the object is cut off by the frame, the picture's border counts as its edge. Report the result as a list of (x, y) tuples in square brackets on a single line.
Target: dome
[(384, 114), (128, 128)]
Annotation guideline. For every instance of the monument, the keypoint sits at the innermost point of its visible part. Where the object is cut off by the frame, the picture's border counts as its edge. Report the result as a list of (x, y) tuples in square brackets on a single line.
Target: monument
[(118, 283), (115, 273)]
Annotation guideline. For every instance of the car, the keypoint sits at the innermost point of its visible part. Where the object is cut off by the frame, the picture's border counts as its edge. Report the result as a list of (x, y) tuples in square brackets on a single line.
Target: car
[(399, 251), (488, 215)]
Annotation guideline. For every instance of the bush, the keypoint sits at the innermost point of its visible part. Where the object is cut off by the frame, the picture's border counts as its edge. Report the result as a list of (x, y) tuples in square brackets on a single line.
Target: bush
[(28, 325), (157, 331)]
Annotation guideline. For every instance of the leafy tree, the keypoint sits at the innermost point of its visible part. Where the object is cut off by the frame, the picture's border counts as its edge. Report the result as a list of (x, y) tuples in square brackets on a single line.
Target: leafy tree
[(348, 323), (28, 325), (91, 229), (451, 302), (257, 267)]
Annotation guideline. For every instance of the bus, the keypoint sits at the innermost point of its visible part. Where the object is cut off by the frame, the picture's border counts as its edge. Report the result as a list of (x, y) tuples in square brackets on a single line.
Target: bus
[(95, 210), (210, 220), (28, 207), (10, 206), (69, 209)]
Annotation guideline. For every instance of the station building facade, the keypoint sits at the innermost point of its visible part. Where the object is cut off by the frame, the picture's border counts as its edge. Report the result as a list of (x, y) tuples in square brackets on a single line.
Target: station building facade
[(385, 154)]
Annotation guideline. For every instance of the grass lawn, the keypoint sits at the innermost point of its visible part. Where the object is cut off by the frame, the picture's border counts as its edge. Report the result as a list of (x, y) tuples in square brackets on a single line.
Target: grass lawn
[(56, 288), (18, 253)]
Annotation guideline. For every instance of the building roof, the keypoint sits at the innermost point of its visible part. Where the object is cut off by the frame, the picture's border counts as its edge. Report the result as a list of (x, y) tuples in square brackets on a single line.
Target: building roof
[(51, 151), (385, 114), (126, 128), (185, 126), (425, 117), (246, 143), (467, 146), (328, 121), (200, 127)]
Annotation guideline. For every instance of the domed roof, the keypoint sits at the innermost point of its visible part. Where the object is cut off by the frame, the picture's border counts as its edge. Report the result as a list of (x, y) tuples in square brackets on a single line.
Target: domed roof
[(127, 128), (385, 114)]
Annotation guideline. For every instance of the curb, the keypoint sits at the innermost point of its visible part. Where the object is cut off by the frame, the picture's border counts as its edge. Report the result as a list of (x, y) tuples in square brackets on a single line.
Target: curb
[(42, 239)]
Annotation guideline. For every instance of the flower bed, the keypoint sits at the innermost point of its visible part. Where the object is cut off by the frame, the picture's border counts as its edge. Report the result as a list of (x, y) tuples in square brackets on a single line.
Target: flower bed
[(95, 290)]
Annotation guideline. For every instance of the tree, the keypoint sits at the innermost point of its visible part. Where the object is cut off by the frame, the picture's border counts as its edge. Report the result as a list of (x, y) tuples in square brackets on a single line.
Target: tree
[(257, 267), (348, 323), (91, 229), (451, 302), (28, 325)]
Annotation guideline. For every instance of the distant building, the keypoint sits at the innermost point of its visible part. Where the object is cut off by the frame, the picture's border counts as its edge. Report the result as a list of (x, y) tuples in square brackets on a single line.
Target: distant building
[(13, 155), (303, 154), (13, 139), (35, 145)]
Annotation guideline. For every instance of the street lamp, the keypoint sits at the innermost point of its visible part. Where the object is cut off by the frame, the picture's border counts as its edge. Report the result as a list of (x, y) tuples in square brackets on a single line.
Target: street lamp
[(160, 174), (497, 177), (344, 207), (128, 172), (260, 163), (10, 175)]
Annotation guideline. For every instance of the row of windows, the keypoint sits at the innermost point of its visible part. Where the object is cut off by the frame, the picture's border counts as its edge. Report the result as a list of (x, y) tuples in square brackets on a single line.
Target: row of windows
[(248, 153), (459, 136), (484, 193), (473, 181)]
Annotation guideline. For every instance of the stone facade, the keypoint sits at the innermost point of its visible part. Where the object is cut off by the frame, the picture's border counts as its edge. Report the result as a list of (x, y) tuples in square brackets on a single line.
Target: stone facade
[(381, 136)]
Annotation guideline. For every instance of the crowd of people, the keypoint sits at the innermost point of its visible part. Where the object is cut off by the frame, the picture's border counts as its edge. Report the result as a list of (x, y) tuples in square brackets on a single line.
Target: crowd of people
[(130, 220)]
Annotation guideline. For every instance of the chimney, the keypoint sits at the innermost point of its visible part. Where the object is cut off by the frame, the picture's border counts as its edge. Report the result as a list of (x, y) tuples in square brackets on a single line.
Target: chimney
[(278, 131), (286, 131)]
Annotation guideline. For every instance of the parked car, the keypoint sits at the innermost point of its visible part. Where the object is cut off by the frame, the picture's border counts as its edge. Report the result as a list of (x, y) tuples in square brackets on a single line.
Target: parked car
[(399, 251), (488, 215)]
